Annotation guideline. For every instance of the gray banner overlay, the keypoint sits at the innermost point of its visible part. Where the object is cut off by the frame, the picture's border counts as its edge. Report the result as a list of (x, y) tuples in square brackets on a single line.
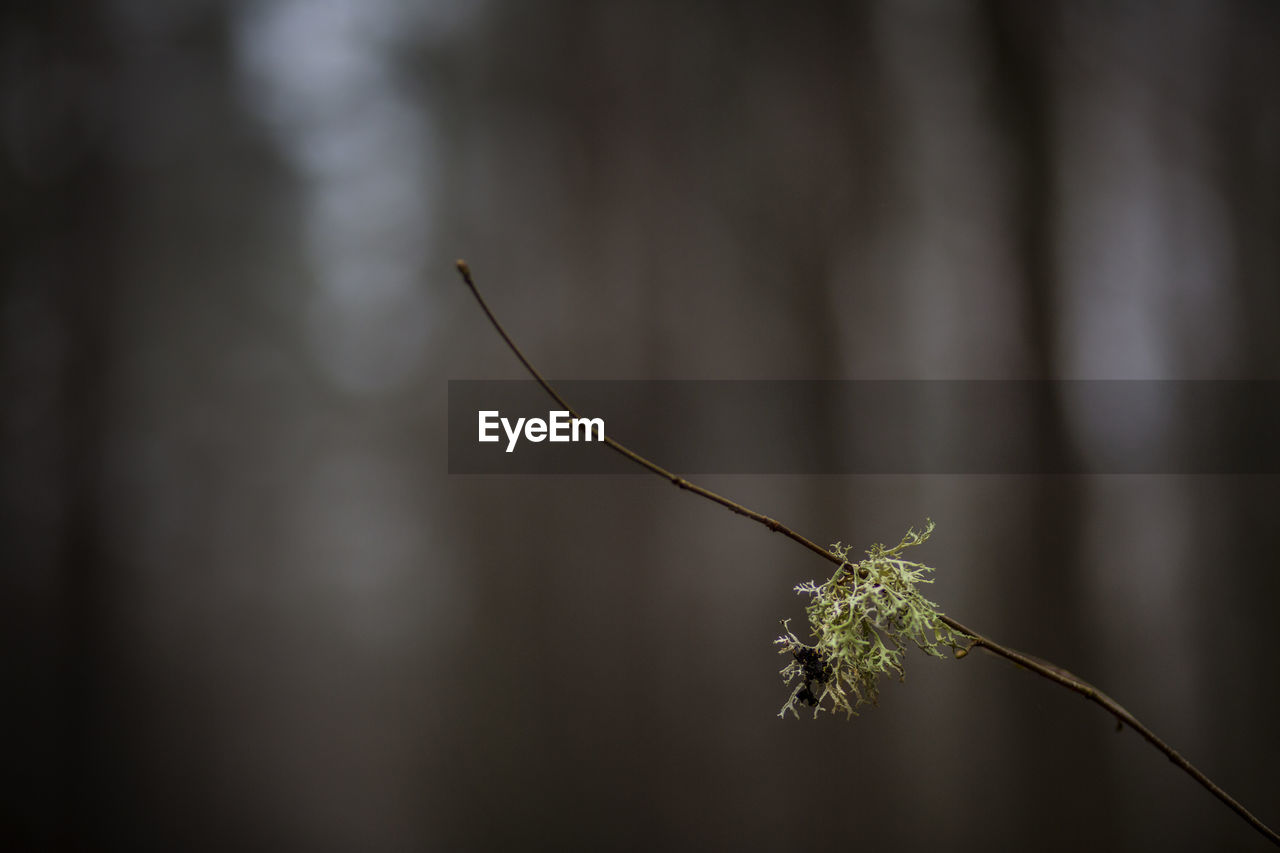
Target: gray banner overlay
[(882, 427)]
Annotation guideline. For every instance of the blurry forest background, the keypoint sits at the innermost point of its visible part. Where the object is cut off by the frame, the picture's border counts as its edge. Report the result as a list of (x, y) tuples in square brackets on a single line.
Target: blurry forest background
[(245, 606)]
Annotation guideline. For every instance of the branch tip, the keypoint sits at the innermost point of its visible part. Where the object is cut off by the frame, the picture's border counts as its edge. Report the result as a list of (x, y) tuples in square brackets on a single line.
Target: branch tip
[(464, 270)]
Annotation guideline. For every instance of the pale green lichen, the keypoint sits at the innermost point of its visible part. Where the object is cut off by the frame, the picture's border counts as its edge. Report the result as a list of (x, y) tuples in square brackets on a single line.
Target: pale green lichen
[(861, 621)]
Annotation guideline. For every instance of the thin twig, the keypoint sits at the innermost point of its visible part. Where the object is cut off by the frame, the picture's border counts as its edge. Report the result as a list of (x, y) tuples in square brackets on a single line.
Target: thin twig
[(1047, 670)]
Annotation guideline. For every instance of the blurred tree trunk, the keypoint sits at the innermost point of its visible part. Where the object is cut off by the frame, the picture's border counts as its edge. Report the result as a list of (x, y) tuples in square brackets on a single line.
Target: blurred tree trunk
[(61, 214), (1024, 41)]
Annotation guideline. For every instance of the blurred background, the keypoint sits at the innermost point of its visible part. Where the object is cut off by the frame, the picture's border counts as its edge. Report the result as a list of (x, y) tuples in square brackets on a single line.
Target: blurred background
[(246, 607)]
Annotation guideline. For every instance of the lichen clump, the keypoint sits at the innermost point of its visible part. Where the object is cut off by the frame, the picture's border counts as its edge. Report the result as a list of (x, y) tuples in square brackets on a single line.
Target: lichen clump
[(862, 620)]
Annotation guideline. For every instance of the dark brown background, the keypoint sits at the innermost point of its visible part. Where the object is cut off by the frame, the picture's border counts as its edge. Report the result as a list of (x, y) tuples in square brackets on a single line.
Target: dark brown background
[(247, 608)]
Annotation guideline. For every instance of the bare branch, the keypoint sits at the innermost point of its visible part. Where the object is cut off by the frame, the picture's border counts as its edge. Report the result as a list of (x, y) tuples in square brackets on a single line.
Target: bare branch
[(1056, 674)]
